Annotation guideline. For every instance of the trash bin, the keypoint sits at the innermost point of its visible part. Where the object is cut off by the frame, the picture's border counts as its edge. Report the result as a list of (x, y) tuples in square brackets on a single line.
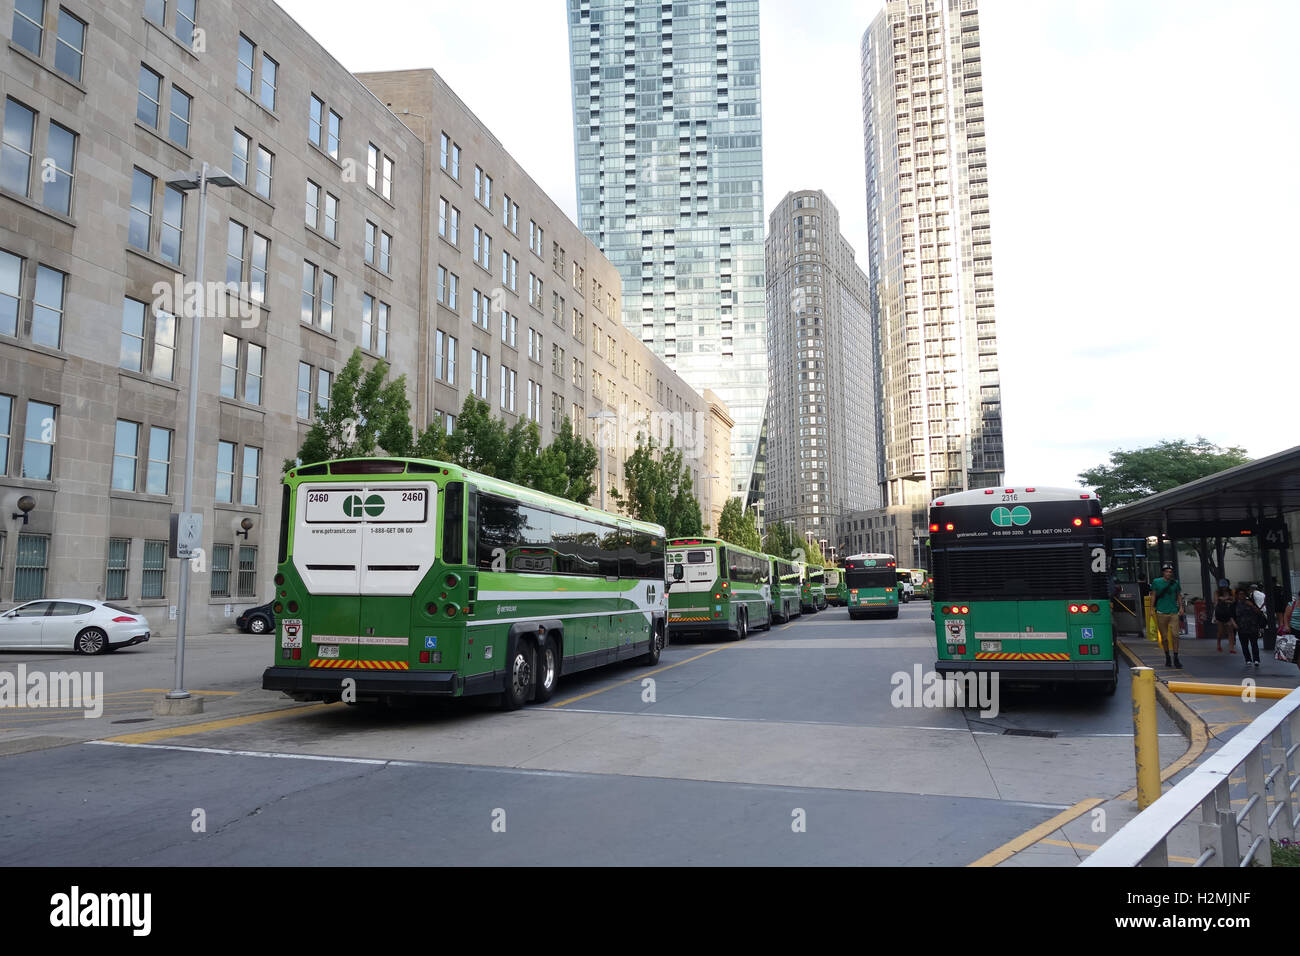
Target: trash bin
[(1199, 607)]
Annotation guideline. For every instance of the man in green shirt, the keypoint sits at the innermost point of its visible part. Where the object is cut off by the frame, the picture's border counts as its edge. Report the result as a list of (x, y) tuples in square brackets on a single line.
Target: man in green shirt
[(1167, 598)]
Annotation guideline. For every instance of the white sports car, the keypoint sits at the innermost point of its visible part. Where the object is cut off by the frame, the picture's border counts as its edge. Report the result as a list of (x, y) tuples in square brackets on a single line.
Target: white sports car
[(87, 627)]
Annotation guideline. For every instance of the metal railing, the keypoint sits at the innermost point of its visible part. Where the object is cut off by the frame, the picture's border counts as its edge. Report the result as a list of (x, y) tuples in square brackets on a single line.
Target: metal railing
[(1264, 756)]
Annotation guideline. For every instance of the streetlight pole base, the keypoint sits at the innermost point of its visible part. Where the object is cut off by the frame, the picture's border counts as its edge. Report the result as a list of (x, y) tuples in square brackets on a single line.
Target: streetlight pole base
[(170, 706)]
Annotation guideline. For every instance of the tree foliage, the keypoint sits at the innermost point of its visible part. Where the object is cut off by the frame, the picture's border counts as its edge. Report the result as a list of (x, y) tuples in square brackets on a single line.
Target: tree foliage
[(778, 540), (1133, 475), (736, 525), (657, 487)]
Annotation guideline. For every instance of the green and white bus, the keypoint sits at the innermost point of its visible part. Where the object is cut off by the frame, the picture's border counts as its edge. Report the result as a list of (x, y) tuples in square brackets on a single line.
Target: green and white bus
[(415, 578), (812, 596), (1020, 586), (718, 588), (836, 591), (786, 580), (872, 580)]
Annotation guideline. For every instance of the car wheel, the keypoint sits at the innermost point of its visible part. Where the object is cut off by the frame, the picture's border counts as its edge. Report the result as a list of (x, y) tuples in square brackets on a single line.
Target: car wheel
[(656, 646), (258, 625), (91, 641), (548, 670), (519, 677)]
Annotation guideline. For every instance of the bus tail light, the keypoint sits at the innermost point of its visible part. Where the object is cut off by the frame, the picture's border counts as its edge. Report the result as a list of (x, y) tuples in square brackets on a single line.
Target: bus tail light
[(1083, 650), (279, 579), (431, 609), (1095, 522), (717, 597), (965, 609), (293, 607), (297, 653), (948, 526), (1074, 609), (934, 527), (451, 580), (279, 608), (724, 584), (451, 610), (961, 648), (424, 657)]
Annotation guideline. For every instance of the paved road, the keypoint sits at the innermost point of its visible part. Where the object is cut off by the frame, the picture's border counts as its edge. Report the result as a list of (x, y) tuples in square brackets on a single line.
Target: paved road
[(788, 748)]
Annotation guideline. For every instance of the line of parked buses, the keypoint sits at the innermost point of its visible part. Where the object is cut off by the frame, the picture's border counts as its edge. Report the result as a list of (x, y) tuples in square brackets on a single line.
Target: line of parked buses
[(719, 588)]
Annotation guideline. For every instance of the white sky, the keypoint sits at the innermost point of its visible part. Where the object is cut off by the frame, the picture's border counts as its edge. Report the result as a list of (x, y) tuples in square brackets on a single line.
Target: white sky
[(1144, 167)]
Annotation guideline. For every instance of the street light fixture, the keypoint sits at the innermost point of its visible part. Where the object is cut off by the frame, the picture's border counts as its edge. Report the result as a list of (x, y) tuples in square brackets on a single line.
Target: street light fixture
[(186, 181), (604, 415)]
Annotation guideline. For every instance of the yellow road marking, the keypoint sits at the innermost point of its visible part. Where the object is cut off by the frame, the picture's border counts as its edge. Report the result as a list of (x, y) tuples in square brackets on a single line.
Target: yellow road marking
[(658, 670), (186, 730), (1090, 848), (168, 690), (1011, 848)]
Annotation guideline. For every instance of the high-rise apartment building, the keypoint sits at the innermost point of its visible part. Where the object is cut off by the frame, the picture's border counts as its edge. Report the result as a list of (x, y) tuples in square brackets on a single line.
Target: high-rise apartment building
[(823, 362), (930, 254), (668, 146), (399, 227)]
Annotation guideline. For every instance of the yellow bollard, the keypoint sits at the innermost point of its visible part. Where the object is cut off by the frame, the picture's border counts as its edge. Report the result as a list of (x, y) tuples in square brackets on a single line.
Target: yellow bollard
[(1149, 615), (1146, 749)]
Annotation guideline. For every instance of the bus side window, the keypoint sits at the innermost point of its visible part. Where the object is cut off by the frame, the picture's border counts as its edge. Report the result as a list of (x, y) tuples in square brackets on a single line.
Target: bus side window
[(453, 523), (284, 524)]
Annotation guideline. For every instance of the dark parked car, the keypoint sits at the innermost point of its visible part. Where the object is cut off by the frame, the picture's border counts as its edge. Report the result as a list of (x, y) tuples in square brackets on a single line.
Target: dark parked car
[(256, 620)]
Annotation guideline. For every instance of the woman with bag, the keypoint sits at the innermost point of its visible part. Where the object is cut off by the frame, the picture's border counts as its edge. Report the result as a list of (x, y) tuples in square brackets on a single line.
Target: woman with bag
[(1250, 624)]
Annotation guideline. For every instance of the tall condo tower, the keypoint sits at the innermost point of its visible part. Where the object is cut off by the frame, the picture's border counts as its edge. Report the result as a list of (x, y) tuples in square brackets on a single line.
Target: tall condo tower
[(823, 365), (667, 131), (930, 253)]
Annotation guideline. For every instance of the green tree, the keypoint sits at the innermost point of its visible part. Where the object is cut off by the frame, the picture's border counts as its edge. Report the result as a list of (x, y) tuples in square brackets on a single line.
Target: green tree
[(778, 540), (1136, 474), (478, 441), (580, 462), (367, 416), (657, 487), (736, 525), (811, 549)]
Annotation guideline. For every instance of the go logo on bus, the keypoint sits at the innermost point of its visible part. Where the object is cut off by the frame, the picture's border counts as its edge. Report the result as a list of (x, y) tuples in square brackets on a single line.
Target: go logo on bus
[(354, 507), (1005, 518)]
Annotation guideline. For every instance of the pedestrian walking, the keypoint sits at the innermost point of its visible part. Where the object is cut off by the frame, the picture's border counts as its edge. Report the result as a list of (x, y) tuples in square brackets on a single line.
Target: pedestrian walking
[(1280, 608), (1225, 618), (1167, 594), (1250, 625)]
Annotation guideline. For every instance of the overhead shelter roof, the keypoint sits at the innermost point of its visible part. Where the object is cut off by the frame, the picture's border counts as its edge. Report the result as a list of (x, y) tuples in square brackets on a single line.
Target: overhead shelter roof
[(1254, 495)]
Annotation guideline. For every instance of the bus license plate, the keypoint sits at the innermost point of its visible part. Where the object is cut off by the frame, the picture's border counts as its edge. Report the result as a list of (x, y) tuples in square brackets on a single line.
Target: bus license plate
[(990, 645), (327, 650)]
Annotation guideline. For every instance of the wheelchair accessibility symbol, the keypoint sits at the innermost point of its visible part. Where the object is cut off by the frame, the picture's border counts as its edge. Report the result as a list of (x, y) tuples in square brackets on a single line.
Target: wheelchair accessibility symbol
[(1087, 634), (430, 642)]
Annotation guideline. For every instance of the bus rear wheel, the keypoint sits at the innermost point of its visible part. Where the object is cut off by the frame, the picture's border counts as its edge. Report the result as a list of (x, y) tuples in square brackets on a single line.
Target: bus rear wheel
[(741, 631), (656, 645), (519, 677), (548, 670)]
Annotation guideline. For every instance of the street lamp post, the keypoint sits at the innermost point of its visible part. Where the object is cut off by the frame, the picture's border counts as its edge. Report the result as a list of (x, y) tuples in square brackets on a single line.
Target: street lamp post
[(603, 416), (187, 181)]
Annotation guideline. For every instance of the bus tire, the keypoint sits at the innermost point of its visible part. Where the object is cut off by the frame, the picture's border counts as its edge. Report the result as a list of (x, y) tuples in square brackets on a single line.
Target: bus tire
[(656, 645), (894, 613), (548, 670), (768, 625), (741, 632), (519, 677)]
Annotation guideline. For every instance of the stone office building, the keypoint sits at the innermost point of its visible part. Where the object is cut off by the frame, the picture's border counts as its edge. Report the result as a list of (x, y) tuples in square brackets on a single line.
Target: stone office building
[(325, 239)]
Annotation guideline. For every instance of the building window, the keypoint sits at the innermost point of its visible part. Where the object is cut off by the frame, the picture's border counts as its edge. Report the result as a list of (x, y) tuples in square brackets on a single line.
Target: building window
[(368, 312), (453, 290), (371, 231), (6, 430), (269, 68), (315, 117), (247, 571), (126, 444), (304, 391), (509, 328), (221, 570), (478, 373), (507, 389), (173, 224), (381, 346), (38, 441), (115, 583), (30, 568), (331, 216), (248, 488), (70, 50), (16, 148), (333, 135), (324, 381), (239, 158), (265, 160), (179, 127), (61, 148), (327, 283), (244, 70), (225, 471), (11, 270), (308, 293), (140, 225), (29, 25), (372, 165), (185, 17), (385, 251), (155, 569), (451, 360), (158, 470), (257, 270), (311, 212), (155, 10), (149, 101), (253, 374), (47, 307), (453, 227), (229, 365), (386, 182), (235, 252)]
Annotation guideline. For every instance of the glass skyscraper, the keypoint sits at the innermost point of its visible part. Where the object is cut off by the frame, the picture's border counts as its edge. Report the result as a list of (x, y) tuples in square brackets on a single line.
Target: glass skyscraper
[(930, 253), (668, 147)]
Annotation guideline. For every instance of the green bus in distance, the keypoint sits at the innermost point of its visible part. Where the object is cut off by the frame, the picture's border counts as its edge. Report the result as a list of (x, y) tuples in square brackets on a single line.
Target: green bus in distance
[(785, 579), (401, 578), (1021, 586), (837, 592), (718, 588), (812, 595), (872, 581)]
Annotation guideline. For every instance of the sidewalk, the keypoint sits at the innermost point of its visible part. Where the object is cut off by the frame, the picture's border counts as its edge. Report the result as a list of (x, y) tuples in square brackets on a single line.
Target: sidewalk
[(1207, 722)]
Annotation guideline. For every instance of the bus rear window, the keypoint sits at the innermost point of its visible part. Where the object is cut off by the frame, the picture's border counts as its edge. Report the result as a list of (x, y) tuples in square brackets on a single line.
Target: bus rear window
[(699, 557)]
